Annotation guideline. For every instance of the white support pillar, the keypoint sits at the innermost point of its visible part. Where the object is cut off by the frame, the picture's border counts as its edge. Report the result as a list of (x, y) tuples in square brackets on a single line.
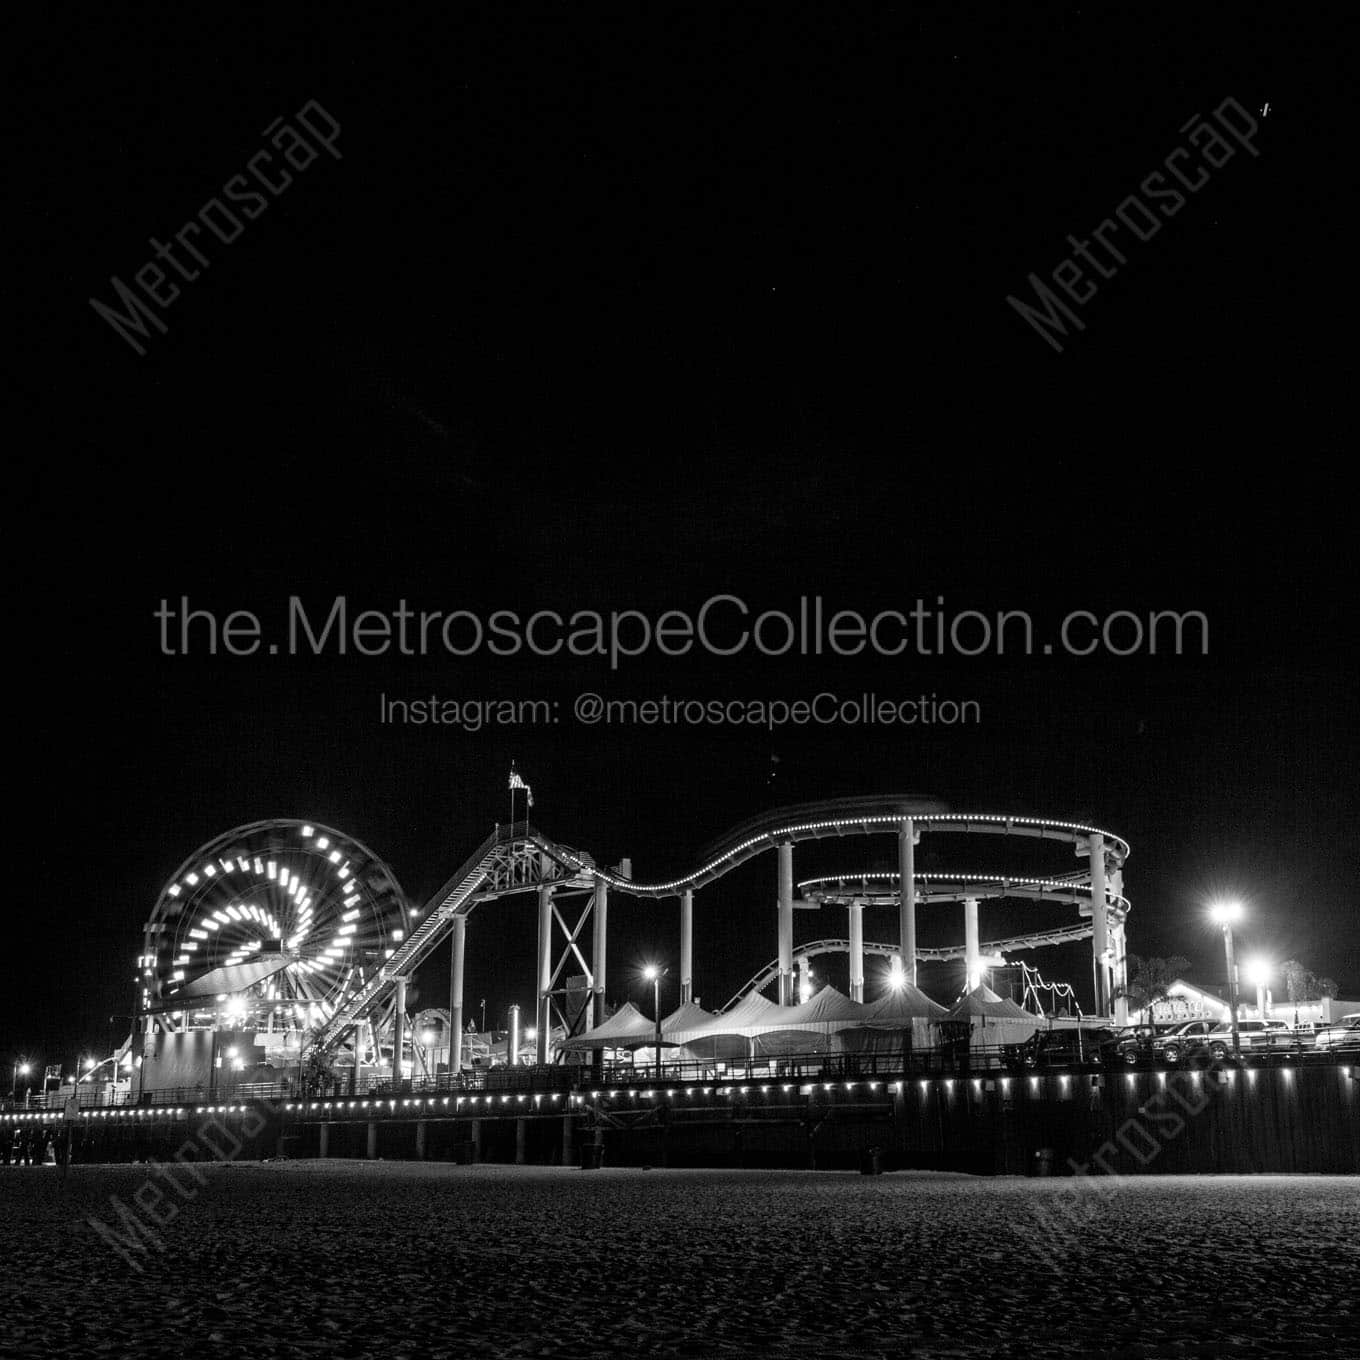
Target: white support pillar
[(856, 910), (785, 854), (971, 952), (1100, 938), (1120, 944), (544, 1015), (906, 910), (686, 946), (398, 1027), (599, 947), (456, 994)]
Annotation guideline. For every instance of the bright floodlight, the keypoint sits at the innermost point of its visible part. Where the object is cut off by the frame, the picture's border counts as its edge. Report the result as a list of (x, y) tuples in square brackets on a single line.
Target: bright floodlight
[(531, 1034), (427, 1037), (1258, 972), (897, 979), (650, 972), (1225, 913), (89, 1065), (24, 1069)]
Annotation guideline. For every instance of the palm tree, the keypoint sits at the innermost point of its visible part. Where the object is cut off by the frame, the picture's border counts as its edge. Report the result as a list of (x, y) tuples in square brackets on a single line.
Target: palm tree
[(1150, 980), (1302, 984)]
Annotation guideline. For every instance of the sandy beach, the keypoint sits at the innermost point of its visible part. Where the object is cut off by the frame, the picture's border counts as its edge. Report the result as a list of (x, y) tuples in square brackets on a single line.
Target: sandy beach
[(404, 1259)]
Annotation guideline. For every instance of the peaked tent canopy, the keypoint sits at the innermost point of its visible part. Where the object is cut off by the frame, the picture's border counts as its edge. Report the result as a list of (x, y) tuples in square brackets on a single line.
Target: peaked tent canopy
[(908, 1002), (686, 1017), (626, 1028), (827, 1007), (811, 1026), (727, 1033), (757, 1025), (904, 1020), (983, 1003), (993, 1019)]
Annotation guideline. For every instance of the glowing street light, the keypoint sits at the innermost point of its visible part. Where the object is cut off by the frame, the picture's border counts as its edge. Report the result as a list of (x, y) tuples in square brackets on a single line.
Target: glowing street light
[(897, 978), (21, 1069), (653, 974), (1225, 914), (805, 981)]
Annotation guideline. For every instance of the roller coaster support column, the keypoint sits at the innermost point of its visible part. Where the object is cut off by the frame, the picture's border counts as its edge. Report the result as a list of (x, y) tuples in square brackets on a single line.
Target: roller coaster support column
[(856, 910), (544, 974), (785, 853), (686, 946), (1121, 950), (1119, 946), (398, 1027), (598, 948), (1100, 941), (456, 994), (906, 911), (971, 952)]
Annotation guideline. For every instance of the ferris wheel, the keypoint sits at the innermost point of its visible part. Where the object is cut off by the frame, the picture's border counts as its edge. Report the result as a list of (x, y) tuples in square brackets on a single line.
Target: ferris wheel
[(269, 925)]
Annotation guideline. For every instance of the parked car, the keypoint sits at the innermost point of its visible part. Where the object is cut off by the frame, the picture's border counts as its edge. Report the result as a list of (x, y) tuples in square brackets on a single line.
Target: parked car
[(1254, 1036), (1342, 1037), (1065, 1047), (1134, 1042), (1179, 1039)]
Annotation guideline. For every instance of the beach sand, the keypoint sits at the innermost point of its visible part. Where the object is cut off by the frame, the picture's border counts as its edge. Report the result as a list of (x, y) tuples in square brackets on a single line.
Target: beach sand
[(396, 1259)]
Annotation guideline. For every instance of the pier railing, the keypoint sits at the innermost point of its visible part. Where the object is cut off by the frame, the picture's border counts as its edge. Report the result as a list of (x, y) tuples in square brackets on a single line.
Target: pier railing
[(932, 1062)]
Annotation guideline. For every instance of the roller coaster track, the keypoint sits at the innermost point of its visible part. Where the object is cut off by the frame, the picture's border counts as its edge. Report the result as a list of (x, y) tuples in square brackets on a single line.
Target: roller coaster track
[(939, 887), (520, 858), (1036, 939)]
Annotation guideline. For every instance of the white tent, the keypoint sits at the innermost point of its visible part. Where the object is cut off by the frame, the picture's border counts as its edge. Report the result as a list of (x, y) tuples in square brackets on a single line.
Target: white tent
[(904, 1018), (757, 1025), (626, 1028), (689, 1015), (993, 1020), (726, 1035), (810, 1027), (907, 1002)]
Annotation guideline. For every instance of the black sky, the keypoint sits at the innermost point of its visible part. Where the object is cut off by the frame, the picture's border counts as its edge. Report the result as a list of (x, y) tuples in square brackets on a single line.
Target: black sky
[(610, 313)]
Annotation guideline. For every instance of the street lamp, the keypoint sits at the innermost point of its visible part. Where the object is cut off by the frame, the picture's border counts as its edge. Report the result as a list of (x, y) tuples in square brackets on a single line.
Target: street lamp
[(1224, 914), (653, 974), (1259, 973), (21, 1069)]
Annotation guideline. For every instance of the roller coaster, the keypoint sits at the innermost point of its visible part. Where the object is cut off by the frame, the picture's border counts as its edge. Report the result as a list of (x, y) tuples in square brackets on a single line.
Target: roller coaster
[(301, 936)]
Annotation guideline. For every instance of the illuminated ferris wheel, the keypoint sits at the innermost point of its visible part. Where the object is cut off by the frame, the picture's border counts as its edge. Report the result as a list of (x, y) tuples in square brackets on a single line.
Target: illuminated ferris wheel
[(270, 925)]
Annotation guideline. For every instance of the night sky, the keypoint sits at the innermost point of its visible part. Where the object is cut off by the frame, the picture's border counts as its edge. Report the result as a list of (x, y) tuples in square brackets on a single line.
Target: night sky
[(592, 315)]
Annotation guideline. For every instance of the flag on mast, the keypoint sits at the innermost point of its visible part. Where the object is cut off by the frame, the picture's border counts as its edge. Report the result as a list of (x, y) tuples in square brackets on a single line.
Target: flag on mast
[(517, 783)]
